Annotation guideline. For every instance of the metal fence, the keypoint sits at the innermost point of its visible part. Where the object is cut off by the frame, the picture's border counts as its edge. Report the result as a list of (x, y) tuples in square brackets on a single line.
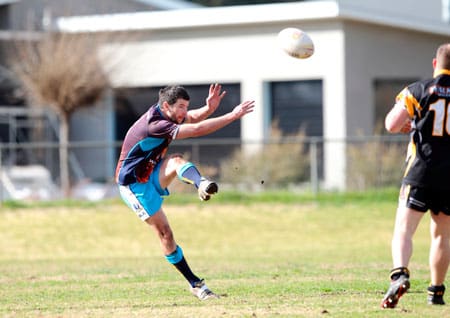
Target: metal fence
[(30, 170)]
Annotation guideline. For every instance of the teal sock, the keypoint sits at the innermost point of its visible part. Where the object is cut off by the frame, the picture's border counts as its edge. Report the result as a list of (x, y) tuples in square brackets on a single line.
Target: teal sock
[(188, 173)]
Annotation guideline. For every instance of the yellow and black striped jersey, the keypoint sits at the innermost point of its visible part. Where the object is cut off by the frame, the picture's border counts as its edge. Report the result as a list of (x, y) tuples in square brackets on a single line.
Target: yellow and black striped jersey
[(428, 159)]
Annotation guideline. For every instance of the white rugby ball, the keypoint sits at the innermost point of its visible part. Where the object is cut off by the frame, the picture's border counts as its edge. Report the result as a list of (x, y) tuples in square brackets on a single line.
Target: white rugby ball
[(296, 43)]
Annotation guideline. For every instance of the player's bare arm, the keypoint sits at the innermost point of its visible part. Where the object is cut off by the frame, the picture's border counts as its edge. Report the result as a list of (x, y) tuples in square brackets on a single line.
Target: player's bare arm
[(398, 120), (210, 125), (212, 102)]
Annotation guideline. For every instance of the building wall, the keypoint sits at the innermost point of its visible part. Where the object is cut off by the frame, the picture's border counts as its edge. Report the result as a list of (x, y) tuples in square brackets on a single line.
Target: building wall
[(249, 55), (418, 10), (94, 128), (375, 52), (246, 55), (349, 57)]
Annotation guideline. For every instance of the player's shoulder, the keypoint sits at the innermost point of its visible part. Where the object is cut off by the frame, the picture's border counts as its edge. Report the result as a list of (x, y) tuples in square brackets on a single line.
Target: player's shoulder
[(430, 86), (422, 83), (421, 87), (154, 111), (159, 125), (155, 115)]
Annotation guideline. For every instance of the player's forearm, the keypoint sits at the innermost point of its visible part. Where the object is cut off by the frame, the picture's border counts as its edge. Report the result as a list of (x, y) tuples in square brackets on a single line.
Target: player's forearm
[(199, 114), (396, 119), (394, 124), (206, 126)]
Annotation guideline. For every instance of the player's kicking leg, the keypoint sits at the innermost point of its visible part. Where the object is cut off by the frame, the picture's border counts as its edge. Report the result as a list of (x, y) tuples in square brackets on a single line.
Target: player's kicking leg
[(175, 256), (188, 173)]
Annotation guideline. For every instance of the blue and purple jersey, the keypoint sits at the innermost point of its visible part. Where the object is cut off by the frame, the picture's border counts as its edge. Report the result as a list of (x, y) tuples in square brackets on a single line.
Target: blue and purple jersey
[(144, 145)]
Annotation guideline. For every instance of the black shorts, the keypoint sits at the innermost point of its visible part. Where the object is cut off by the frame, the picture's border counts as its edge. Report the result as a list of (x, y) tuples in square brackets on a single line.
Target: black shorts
[(424, 199)]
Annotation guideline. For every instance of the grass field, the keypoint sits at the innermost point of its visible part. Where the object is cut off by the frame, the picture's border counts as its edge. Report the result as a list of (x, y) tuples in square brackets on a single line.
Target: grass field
[(282, 258)]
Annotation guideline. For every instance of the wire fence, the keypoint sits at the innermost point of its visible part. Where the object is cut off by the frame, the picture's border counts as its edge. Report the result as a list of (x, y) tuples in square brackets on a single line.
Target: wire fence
[(30, 170)]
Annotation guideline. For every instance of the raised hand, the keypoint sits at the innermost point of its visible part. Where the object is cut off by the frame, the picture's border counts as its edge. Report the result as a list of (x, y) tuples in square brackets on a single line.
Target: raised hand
[(214, 97), (406, 127), (243, 108)]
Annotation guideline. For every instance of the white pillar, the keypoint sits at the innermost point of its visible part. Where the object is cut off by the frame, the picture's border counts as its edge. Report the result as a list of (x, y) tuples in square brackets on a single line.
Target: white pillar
[(255, 126), (334, 131)]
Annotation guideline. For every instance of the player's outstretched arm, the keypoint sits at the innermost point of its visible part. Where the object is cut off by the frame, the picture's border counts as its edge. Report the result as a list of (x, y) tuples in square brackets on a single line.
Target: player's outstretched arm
[(212, 102), (211, 125)]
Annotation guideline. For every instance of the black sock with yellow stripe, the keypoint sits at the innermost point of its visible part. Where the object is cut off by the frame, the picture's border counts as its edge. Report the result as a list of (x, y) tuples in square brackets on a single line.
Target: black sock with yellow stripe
[(399, 271)]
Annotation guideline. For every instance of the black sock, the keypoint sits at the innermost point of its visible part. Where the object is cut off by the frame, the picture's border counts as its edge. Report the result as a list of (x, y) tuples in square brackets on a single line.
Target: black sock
[(399, 271), (439, 289), (184, 269)]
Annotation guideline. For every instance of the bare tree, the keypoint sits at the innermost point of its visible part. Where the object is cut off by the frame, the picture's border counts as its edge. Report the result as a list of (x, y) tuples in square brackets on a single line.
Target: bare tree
[(64, 72)]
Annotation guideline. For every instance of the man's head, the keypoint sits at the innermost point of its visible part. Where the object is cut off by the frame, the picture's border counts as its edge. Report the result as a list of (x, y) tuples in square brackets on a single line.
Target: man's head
[(174, 102), (171, 94), (442, 59)]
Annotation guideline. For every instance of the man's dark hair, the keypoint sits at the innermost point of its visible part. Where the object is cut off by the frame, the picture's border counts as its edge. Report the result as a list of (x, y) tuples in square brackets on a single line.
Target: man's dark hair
[(171, 94)]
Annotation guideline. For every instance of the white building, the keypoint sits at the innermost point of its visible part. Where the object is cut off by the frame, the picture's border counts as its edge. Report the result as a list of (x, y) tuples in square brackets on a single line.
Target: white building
[(365, 51)]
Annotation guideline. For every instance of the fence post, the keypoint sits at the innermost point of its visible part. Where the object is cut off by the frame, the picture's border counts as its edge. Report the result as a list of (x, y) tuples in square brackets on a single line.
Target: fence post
[(196, 152), (314, 166), (1, 176)]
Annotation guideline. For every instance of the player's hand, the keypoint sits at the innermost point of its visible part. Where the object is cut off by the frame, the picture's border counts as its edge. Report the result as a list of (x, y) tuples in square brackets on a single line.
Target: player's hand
[(243, 109), (406, 127), (214, 97)]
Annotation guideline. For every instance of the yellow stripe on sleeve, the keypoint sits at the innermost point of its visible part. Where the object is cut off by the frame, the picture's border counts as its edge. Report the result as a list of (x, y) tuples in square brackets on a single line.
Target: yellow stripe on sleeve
[(409, 101)]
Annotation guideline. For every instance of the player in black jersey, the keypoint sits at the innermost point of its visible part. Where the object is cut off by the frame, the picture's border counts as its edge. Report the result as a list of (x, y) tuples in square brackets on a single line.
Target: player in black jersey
[(423, 110)]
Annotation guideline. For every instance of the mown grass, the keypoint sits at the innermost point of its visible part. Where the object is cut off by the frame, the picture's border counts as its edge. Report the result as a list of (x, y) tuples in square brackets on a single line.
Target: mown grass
[(238, 197), (314, 257)]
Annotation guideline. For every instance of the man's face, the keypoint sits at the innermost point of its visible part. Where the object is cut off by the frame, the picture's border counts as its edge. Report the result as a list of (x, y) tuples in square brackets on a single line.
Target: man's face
[(177, 112)]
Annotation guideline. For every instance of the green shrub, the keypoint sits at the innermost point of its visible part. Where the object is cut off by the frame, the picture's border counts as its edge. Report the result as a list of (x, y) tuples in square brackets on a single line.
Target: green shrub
[(374, 164), (277, 163)]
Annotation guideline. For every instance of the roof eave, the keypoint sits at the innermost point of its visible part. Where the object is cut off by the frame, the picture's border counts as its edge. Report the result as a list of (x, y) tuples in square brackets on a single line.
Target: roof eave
[(192, 18), (432, 27), (242, 15)]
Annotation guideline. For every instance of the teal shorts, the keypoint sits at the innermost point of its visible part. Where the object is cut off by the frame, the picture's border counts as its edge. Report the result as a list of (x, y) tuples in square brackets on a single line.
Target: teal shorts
[(145, 199)]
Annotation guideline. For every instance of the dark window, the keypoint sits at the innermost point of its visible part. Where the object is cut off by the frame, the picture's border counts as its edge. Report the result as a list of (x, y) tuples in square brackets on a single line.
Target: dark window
[(4, 17), (386, 91), (297, 105)]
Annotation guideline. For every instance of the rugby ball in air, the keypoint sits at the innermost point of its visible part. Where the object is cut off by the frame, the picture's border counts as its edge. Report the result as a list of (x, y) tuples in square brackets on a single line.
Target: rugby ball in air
[(296, 43)]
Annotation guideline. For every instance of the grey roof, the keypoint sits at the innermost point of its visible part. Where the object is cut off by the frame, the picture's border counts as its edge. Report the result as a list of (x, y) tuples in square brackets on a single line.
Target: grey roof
[(170, 4), (366, 12), (4, 2)]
